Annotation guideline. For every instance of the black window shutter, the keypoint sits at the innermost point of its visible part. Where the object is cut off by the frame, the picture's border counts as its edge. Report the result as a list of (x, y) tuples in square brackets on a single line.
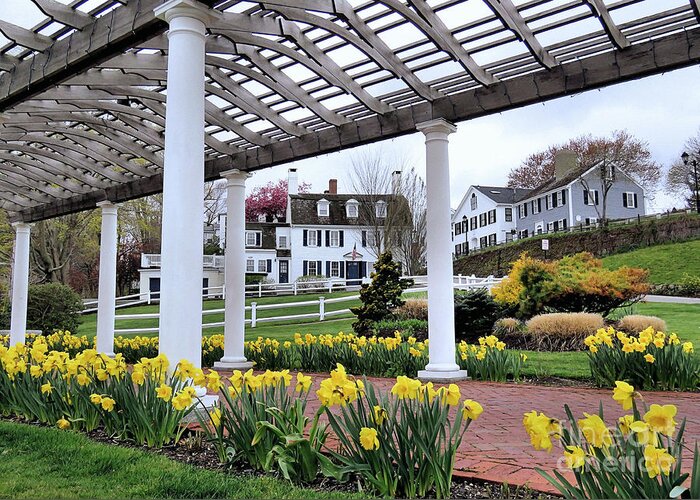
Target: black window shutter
[(564, 223), (525, 207), (635, 200), (269, 265), (624, 200), (305, 271), (318, 267), (306, 241), (554, 200), (328, 268), (318, 238), (363, 269), (328, 238), (342, 239), (539, 204), (596, 197), (258, 239), (364, 238), (585, 196), (342, 269), (563, 196)]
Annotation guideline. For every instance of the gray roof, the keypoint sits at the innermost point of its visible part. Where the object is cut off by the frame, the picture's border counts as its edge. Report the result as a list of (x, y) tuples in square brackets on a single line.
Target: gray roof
[(304, 209), (503, 194), (554, 183)]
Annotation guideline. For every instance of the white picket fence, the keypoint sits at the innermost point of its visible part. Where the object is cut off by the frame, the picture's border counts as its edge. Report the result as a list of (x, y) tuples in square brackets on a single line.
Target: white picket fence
[(420, 284)]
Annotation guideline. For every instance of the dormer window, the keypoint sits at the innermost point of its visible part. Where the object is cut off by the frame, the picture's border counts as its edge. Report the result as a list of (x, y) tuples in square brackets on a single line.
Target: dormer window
[(472, 201), (352, 209), (380, 209), (323, 207)]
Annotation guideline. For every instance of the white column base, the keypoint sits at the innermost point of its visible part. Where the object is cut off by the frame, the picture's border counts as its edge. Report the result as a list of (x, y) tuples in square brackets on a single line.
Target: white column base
[(429, 375), (233, 364)]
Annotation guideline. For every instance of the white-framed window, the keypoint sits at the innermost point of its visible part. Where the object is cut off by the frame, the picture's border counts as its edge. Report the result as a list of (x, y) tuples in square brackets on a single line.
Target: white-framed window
[(282, 242), (312, 268), (550, 227), (253, 238), (380, 209), (546, 203), (352, 209), (473, 201), (509, 214), (560, 198), (629, 200), (371, 240), (335, 269), (590, 197), (313, 239), (334, 236), (262, 266), (323, 208), (536, 206), (250, 266)]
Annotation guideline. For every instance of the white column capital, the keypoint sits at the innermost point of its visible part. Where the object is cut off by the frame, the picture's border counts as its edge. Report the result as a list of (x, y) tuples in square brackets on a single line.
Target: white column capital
[(22, 227), (439, 126), (107, 207), (236, 177), (185, 8)]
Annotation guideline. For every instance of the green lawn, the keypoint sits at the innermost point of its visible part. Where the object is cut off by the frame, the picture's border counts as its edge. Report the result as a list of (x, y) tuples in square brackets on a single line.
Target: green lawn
[(49, 463), (666, 263)]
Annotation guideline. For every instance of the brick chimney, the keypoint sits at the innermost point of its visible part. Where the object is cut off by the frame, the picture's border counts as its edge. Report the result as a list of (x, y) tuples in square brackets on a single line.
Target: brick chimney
[(565, 161), (333, 186)]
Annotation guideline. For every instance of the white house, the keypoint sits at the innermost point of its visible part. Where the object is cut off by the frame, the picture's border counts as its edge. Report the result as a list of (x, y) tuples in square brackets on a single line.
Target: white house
[(484, 217), (573, 196), (328, 235)]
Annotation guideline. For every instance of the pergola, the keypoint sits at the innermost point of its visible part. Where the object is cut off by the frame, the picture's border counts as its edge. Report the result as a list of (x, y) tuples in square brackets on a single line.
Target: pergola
[(252, 84)]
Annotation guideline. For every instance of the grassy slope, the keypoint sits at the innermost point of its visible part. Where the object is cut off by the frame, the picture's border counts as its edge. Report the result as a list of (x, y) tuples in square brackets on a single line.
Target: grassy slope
[(48, 463), (666, 263)]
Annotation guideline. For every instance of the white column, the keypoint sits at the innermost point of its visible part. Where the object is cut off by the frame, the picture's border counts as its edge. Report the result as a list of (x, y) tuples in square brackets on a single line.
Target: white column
[(183, 183), (20, 283), (441, 328), (108, 279), (234, 286)]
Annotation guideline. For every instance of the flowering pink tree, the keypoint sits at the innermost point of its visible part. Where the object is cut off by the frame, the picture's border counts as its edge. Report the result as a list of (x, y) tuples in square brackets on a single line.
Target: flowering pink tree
[(270, 200)]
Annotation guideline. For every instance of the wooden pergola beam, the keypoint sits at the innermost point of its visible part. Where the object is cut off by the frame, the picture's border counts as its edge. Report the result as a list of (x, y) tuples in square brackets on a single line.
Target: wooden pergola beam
[(64, 14), (642, 59), (601, 11)]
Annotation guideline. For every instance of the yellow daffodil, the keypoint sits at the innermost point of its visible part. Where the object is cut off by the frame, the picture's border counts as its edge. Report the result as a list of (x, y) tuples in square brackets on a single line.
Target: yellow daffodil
[(46, 388), (107, 404), (688, 347), (575, 457), (303, 382), (649, 358), (368, 439), (657, 461), (380, 414), (215, 416), (452, 395), (643, 433), (541, 429), (623, 394), (164, 392), (660, 419), (625, 423), (595, 431), (63, 424), (95, 399), (471, 409), (406, 387)]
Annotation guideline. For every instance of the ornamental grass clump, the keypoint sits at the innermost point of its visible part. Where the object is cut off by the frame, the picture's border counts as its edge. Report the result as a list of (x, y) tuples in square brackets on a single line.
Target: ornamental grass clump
[(639, 456), (89, 390), (650, 360), (261, 420), (399, 445), (490, 360)]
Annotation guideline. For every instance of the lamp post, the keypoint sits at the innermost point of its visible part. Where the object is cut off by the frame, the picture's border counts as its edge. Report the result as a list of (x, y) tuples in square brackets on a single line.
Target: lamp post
[(694, 162)]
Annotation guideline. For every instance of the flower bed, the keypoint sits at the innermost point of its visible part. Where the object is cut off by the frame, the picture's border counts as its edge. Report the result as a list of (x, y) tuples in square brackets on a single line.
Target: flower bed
[(651, 360), (637, 457), (371, 356)]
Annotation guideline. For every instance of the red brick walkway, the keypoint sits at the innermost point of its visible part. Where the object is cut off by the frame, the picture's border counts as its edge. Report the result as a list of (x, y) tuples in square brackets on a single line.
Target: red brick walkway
[(497, 448)]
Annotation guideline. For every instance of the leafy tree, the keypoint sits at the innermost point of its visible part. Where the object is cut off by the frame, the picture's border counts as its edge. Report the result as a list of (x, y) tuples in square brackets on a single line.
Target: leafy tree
[(213, 247), (622, 149), (52, 307), (270, 200), (680, 180), (380, 297)]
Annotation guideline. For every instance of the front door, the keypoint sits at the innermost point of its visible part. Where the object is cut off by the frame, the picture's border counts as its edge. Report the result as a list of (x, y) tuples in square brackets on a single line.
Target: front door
[(284, 271), (352, 272), (154, 287)]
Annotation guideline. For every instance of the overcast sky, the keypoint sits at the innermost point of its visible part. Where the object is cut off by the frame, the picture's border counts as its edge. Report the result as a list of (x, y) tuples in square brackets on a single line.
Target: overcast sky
[(662, 110)]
